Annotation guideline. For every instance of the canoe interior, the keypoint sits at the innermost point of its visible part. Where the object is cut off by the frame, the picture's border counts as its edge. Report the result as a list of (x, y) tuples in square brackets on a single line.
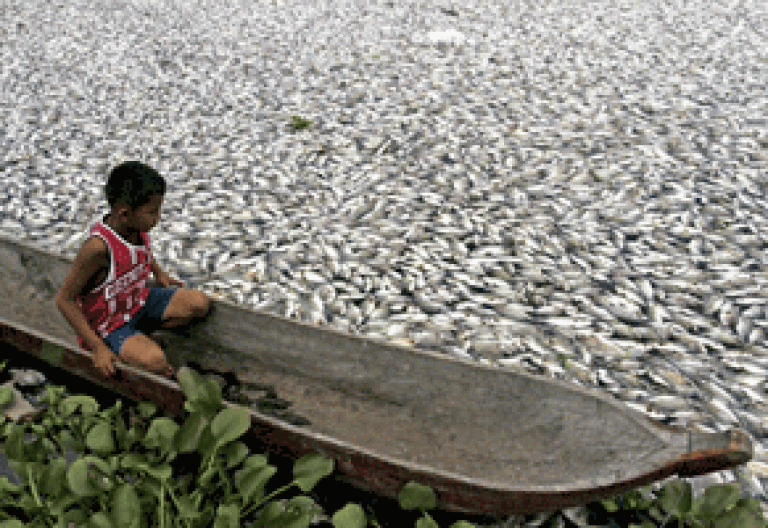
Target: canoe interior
[(494, 428)]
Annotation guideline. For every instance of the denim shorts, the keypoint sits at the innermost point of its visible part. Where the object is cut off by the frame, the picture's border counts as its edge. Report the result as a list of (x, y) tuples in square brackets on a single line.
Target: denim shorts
[(146, 320)]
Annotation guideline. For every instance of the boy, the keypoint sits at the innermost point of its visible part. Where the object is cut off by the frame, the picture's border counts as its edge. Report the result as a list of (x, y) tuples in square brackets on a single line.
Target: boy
[(104, 296)]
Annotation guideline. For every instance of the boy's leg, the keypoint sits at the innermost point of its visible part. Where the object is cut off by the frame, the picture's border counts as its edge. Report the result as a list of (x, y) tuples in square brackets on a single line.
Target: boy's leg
[(169, 372), (184, 306), (142, 352)]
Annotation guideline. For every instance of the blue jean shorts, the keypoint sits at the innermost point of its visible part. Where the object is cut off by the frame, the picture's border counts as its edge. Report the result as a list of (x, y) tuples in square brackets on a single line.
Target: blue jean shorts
[(146, 320)]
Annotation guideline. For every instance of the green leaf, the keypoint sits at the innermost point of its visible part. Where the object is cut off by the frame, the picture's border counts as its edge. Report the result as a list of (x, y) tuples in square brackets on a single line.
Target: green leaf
[(133, 436), (100, 477), (300, 502), (211, 393), (655, 513), (300, 123), (205, 478), (426, 522), (739, 517), (462, 524), (227, 516), (676, 497), (127, 438), (255, 461), (162, 472), (87, 405), (161, 433), (250, 481), (54, 476), (296, 520), (235, 453), (634, 500), (206, 446), (310, 469), (230, 424), (6, 397), (189, 380), (696, 505), (611, 505), (64, 503), (132, 461), (100, 520), (416, 496), (18, 466), (27, 502), (270, 514), (350, 516), (13, 523), (100, 439), (6, 486), (188, 508), (147, 409), (188, 436), (752, 504), (139, 463), (76, 516), (297, 512), (79, 479), (203, 406), (150, 487), (718, 498), (126, 508), (14, 444), (303, 507)]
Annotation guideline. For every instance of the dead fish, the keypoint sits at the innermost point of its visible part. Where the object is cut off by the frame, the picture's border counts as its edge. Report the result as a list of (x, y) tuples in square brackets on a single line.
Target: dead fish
[(743, 327), (713, 304), (644, 285)]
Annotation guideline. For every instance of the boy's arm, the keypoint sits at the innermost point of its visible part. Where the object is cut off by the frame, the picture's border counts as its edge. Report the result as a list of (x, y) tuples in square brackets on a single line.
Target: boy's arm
[(156, 271), (91, 258), (162, 278)]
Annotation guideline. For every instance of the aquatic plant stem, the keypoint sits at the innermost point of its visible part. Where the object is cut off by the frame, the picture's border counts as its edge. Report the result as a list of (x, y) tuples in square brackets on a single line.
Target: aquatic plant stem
[(162, 504), (226, 481), (33, 487), (249, 510), (372, 520), (173, 498)]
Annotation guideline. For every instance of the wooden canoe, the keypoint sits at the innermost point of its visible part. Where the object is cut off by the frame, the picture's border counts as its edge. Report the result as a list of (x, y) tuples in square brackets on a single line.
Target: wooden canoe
[(488, 440)]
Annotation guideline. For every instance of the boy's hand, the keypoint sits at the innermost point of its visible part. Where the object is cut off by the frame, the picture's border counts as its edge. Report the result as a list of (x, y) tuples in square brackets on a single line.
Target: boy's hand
[(104, 360), (165, 280)]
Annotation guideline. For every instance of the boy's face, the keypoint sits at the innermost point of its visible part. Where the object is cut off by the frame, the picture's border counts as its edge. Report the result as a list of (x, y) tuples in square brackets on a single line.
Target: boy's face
[(145, 217)]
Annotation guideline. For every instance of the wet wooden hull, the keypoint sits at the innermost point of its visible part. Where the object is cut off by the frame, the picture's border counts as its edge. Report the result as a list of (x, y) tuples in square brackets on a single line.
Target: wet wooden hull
[(487, 440)]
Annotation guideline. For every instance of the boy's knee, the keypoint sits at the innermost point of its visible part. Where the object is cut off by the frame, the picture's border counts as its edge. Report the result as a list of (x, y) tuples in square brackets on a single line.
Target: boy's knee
[(202, 304), (140, 351), (153, 360), (157, 362)]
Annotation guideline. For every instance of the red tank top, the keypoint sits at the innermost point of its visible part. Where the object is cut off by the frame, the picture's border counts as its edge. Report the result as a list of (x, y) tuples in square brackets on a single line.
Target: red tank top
[(124, 292)]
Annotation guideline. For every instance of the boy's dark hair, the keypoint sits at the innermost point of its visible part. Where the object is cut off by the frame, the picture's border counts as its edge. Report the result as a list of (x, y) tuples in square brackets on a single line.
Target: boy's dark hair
[(133, 183)]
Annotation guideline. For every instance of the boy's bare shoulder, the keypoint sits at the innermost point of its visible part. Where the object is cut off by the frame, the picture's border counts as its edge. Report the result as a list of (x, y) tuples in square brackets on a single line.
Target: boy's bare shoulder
[(93, 245), (89, 267), (93, 251)]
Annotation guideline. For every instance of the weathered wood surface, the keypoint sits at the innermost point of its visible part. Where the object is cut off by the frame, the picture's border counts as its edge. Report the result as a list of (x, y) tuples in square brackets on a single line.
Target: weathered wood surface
[(488, 440)]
